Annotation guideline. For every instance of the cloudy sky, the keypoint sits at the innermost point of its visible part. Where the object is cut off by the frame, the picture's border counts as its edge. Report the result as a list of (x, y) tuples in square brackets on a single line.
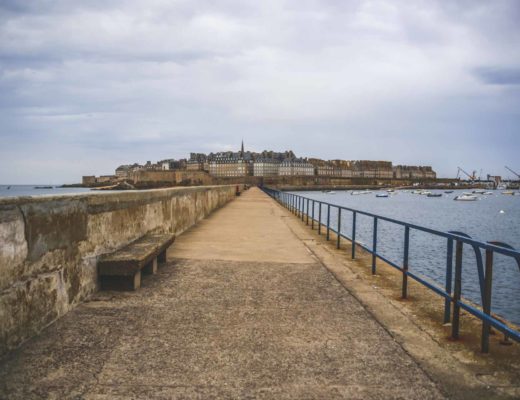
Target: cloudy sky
[(88, 85)]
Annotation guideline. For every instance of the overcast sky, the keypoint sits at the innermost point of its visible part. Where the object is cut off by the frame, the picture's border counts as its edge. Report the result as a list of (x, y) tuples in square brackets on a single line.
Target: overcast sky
[(86, 86)]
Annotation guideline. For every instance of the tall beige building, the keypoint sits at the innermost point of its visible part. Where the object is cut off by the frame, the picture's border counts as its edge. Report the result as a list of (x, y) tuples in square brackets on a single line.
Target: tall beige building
[(229, 167), (266, 167), (296, 168)]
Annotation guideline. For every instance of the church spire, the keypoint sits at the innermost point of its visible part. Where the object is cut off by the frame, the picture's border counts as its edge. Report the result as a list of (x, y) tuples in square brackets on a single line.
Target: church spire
[(242, 149)]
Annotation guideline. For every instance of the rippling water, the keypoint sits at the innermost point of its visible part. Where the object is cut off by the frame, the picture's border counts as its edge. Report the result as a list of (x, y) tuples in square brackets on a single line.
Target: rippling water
[(493, 217)]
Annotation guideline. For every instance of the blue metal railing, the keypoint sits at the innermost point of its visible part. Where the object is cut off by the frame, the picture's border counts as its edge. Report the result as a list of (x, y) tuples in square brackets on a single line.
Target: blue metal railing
[(453, 301)]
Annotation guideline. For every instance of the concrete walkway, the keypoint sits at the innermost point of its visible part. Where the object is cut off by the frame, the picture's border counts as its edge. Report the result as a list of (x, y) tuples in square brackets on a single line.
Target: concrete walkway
[(243, 310)]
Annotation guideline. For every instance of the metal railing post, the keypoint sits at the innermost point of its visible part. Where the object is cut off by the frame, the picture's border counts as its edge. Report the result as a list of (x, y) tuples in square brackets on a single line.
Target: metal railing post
[(455, 324), (486, 303), (328, 221), (312, 218), (339, 228), (302, 214), (353, 235), (405, 262), (449, 275), (374, 247), (307, 214), (319, 219)]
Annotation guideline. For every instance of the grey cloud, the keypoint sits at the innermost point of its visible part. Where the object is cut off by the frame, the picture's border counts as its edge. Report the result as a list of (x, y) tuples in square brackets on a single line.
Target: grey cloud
[(498, 75), (115, 81)]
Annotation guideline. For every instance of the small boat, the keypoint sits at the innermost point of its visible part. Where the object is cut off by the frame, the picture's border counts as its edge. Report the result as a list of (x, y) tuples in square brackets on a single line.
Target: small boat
[(8, 187), (434, 195), (509, 193), (488, 193), (43, 187), (417, 192), (448, 191), (331, 192), (390, 190), (426, 193), (479, 191), (382, 195), (466, 197)]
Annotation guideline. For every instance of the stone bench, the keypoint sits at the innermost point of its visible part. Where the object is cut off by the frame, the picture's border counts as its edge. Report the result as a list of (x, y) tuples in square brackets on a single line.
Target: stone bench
[(122, 268)]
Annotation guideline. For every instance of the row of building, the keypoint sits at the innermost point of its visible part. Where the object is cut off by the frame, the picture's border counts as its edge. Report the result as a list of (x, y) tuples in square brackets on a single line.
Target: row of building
[(270, 164)]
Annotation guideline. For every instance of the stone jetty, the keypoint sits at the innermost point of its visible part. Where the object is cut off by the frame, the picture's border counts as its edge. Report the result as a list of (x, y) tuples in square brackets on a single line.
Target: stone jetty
[(243, 308)]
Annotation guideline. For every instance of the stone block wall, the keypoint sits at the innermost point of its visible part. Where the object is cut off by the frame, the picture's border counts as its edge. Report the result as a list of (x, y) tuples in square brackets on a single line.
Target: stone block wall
[(49, 246)]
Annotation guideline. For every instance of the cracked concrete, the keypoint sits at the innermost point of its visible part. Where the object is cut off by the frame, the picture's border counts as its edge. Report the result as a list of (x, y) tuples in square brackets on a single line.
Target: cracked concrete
[(243, 309)]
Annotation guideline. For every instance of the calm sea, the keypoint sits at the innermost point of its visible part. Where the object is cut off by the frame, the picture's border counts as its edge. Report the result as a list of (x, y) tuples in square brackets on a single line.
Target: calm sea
[(30, 190), (492, 217)]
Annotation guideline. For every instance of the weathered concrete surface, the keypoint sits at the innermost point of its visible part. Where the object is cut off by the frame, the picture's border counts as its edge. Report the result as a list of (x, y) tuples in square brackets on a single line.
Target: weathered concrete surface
[(49, 246), (253, 316)]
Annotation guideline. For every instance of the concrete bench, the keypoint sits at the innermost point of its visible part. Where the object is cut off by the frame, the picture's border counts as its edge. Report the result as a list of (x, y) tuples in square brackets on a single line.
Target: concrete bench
[(122, 268)]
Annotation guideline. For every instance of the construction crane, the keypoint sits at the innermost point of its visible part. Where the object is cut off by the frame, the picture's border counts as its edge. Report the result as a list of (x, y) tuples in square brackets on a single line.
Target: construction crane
[(471, 177), (509, 169)]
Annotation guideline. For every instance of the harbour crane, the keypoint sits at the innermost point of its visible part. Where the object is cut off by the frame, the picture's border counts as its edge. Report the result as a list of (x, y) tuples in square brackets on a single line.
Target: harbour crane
[(509, 169), (471, 177)]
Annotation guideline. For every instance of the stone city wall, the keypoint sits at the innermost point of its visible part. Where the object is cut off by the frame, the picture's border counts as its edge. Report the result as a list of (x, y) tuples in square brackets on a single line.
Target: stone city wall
[(49, 246)]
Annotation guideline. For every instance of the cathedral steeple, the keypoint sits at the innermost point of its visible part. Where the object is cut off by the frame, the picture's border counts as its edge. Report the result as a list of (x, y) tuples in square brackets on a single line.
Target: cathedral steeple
[(242, 150)]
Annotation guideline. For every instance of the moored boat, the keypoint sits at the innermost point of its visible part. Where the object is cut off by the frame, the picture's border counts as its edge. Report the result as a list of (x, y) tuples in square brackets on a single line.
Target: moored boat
[(509, 193), (466, 197), (434, 195), (382, 195), (448, 191)]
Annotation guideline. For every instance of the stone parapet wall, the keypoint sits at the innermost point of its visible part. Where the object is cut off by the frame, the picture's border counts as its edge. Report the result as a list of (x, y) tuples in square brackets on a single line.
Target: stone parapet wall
[(49, 246)]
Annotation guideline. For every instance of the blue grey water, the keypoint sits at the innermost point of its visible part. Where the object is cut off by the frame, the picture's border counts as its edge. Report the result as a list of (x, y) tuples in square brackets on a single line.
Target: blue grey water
[(30, 190), (492, 217)]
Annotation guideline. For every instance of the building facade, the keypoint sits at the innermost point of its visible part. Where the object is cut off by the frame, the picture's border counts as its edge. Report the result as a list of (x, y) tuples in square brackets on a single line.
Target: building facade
[(229, 168), (266, 167), (296, 168), (123, 171), (413, 172)]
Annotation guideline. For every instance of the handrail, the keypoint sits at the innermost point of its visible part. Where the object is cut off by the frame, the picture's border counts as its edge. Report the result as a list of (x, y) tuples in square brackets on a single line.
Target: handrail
[(299, 205)]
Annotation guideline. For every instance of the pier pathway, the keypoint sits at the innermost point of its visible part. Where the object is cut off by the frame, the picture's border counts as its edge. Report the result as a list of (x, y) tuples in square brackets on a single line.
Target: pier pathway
[(242, 310)]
